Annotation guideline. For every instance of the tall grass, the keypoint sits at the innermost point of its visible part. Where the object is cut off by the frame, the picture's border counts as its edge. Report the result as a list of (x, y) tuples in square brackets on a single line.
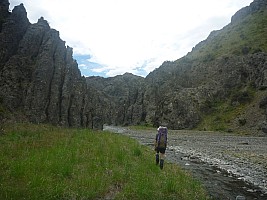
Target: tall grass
[(46, 162)]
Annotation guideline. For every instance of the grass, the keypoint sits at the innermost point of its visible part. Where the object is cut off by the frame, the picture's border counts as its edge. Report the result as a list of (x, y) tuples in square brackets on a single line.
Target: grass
[(222, 115), (47, 162), (223, 112), (221, 119), (240, 38)]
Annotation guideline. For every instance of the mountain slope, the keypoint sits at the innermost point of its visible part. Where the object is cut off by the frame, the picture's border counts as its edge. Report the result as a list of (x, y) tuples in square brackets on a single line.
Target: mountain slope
[(244, 35), (228, 68)]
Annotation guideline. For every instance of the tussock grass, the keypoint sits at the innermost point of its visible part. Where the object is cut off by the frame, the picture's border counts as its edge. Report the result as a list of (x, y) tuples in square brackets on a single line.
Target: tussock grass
[(47, 162), (247, 36)]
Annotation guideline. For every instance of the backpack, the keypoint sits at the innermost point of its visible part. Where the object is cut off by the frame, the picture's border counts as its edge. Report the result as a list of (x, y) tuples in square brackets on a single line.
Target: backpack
[(162, 137)]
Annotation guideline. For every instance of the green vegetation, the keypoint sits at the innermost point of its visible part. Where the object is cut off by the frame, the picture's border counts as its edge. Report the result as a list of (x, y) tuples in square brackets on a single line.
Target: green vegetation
[(223, 112), (47, 162), (239, 38), (221, 116), (242, 37)]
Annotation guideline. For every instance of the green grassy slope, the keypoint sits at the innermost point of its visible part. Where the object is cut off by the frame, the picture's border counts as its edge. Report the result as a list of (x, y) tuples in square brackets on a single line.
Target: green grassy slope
[(248, 35), (46, 162)]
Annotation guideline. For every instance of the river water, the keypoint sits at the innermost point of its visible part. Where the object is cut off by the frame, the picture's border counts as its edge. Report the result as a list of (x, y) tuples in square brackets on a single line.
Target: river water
[(203, 156)]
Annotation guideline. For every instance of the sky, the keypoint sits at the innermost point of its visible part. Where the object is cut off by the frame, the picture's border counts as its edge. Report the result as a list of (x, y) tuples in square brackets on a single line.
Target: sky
[(112, 37)]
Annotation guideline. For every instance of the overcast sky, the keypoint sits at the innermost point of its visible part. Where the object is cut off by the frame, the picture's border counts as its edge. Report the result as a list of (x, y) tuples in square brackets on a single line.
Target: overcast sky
[(111, 37)]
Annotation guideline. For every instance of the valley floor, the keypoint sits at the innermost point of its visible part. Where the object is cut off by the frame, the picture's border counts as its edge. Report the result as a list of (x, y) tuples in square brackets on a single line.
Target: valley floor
[(228, 165)]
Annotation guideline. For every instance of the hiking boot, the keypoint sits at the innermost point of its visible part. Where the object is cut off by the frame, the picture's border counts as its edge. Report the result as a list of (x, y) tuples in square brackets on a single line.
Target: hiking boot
[(161, 163), (157, 159)]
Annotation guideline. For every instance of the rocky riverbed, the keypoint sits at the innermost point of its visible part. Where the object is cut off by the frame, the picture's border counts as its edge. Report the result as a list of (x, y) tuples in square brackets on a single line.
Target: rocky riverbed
[(229, 166)]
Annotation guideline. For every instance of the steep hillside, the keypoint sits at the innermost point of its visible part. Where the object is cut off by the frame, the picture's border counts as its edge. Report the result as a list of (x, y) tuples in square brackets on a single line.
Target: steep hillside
[(246, 34), (224, 73)]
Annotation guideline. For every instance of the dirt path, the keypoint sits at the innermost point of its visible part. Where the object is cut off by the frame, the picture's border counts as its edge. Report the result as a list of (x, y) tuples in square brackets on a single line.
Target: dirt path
[(228, 165)]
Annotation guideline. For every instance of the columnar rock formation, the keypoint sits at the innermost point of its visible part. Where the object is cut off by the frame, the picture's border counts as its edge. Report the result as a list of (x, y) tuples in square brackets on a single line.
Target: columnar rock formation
[(38, 74)]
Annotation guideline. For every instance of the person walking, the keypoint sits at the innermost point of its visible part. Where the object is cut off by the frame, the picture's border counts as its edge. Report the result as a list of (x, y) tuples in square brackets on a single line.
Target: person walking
[(161, 145)]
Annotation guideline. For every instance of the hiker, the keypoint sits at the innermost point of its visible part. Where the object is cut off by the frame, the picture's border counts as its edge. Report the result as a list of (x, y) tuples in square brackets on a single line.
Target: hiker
[(160, 145)]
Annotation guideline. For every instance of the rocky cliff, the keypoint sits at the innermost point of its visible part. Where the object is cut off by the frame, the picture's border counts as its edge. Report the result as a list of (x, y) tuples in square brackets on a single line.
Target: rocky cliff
[(38, 76), (125, 95), (219, 85)]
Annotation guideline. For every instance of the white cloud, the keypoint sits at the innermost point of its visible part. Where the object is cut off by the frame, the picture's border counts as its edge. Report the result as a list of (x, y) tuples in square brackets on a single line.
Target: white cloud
[(132, 35), (83, 66)]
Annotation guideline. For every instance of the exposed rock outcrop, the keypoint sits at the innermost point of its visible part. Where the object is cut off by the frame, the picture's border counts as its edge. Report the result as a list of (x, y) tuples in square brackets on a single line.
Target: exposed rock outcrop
[(255, 6), (181, 96), (125, 96), (4, 6), (39, 77)]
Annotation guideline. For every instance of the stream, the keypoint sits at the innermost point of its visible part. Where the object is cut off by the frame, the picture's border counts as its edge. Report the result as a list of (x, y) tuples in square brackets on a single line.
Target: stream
[(219, 161)]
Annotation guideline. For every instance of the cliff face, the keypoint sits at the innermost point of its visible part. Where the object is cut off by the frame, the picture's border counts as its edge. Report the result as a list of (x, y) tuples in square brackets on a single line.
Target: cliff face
[(38, 74), (125, 96), (223, 78)]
